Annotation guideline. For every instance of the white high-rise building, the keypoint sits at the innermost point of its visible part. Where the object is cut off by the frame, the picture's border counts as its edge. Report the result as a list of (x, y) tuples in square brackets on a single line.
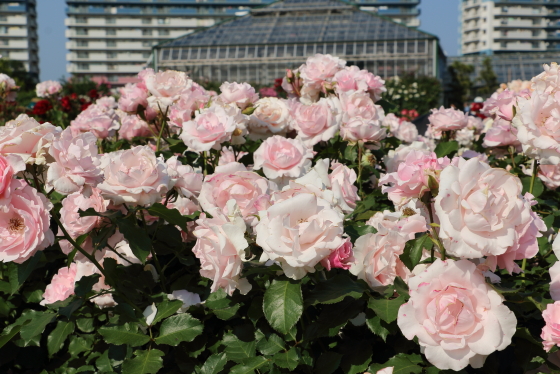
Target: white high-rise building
[(111, 40), (494, 26), (18, 33)]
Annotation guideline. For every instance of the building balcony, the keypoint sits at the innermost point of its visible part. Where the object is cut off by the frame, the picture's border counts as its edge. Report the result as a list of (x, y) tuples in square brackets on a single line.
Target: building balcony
[(405, 3), (402, 12)]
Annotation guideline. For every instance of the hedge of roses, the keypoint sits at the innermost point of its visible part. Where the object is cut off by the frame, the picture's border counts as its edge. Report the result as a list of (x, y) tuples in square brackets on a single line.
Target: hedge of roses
[(178, 230)]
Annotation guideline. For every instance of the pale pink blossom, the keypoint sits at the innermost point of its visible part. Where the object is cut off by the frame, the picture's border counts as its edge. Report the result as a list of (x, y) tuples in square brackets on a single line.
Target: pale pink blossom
[(319, 69), (61, 286), (209, 129), (133, 126), (24, 223), (27, 138), (220, 247), (341, 258), (554, 271), (188, 299), (107, 102), (468, 190), (501, 104), (413, 177), (227, 155), (395, 157), (77, 163), (132, 96), (448, 119), (10, 165), (240, 94), (456, 316), (548, 174), (298, 233), (271, 116), (407, 132), (184, 178), (352, 78), (318, 121), (134, 176), (392, 123), (406, 226), (501, 134), (388, 370), (8, 88), (359, 104), (551, 331), (166, 88), (342, 183), (101, 121), (184, 108), (281, 157), (48, 88), (73, 203), (465, 137), (547, 82), (359, 129)]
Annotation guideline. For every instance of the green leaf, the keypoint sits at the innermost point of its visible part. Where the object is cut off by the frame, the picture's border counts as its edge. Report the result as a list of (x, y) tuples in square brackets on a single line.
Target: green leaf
[(351, 153), (145, 362), (249, 366), (328, 362), (6, 337), (137, 238), (39, 320), (124, 334), (538, 188), (223, 306), (166, 308), (103, 363), (57, 337), (238, 350), (376, 326), (85, 284), (286, 360), (402, 365), (446, 148), (283, 304), (387, 310), (80, 344), (334, 290), (270, 346), (214, 364), (179, 328), (172, 216), (19, 273)]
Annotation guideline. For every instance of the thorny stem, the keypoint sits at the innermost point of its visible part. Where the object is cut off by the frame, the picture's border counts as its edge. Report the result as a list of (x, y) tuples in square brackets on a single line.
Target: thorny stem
[(533, 177), (360, 149), (427, 200), (204, 155)]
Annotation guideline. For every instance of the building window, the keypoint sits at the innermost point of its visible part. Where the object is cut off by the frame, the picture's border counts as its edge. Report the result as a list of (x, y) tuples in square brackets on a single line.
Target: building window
[(3, 18), (146, 44), (5, 53), (146, 32), (536, 32), (535, 45), (112, 67), (163, 32), (112, 32), (111, 55), (503, 44), (82, 43), (82, 66), (504, 9), (146, 21), (536, 10), (110, 21), (81, 20), (81, 31), (111, 43), (82, 54), (146, 54), (536, 21)]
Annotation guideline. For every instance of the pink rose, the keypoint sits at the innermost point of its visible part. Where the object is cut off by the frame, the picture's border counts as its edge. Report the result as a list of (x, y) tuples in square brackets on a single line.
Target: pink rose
[(166, 88), (131, 97), (8, 88), (61, 286), (391, 122), (412, 178), (551, 331), (395, 157), (501, 104), (456, 316), (184, 178), (134, 126), (342, 181), (546, 82), (240, 94), (448, 119), (554, 271), (48, 88), (549, 175), (359, 104), (107, 102), (317, 122), (134, 176), (25, 137), (320, 68), (271, 116), (76, 162), (407, 132), (341, 258), (9, 166), (210, 128), (73, 203), (352, 78), (359, 129), (191, 101), (388, 370), (538, 126), (233, 181), (24, 223), (101, 121), (470, 189), (220, 247), (227, 155), (406, 226), (298, 233), (501, 134), (280, 157)]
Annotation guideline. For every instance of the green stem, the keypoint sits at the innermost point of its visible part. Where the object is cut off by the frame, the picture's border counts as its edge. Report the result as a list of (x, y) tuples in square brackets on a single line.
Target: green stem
[(533, 178), (158, 142), (427, 200), (204, 155), (360, 149)]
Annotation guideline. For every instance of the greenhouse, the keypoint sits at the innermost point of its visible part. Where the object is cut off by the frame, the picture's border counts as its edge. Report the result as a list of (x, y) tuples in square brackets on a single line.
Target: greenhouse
[(258, 47)]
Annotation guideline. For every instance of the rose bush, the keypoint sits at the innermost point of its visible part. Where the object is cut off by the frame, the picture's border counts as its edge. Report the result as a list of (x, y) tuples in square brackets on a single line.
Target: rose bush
[(177, 229)]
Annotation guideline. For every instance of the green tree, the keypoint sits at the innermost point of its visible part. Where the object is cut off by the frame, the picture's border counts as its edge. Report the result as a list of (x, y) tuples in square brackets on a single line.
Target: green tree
[(487, 78), (16, 70), (461, 86)]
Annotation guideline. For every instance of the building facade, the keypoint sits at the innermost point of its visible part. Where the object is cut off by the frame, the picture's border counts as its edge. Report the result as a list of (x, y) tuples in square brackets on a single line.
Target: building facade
[(18, 33), (258, 47), (111, 40), (506, 26)]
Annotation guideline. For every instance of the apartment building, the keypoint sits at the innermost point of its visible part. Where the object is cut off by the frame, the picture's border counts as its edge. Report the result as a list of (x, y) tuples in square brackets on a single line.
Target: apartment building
[(402, 11), (506, 26), (18, 33)]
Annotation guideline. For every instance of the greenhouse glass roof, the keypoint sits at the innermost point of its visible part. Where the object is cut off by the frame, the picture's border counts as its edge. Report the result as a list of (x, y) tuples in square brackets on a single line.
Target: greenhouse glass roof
[(300, 21)]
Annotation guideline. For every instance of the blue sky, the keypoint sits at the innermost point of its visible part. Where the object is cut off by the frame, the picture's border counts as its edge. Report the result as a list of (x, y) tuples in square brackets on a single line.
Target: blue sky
[(439, 17)]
